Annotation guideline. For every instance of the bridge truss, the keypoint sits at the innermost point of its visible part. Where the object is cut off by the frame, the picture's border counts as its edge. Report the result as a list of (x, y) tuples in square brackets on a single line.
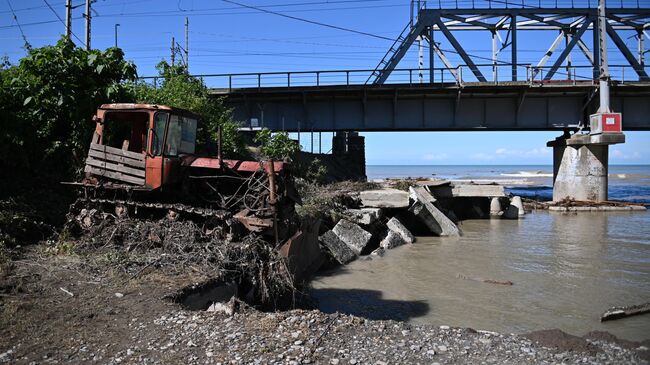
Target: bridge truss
[(573, 27)]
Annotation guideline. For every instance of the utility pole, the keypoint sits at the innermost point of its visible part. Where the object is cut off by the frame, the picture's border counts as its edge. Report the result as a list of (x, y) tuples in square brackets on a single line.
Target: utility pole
[(116, 25), (604, 65), (420, 49), (173, 49), (420, 59), (88, 16), (187, 44), (68, 19)]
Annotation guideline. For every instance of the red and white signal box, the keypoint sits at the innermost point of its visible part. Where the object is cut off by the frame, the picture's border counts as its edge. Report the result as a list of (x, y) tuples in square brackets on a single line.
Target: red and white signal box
[(606, 123)]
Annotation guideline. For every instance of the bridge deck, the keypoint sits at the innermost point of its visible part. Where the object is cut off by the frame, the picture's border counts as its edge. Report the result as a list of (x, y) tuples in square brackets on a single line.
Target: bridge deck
[(506, 106)]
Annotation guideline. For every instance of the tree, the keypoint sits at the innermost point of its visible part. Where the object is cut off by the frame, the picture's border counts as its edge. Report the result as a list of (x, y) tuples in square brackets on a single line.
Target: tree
[(48, 99), (276, 146), (181, 90)]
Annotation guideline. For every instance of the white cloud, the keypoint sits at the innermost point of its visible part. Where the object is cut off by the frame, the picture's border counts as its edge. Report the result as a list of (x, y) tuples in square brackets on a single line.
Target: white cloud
[(482, 156), (618, 154), (435, 157), (503, 153)]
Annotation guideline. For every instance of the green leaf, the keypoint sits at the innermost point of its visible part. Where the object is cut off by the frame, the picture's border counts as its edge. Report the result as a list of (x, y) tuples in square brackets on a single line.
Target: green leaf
[(91, 59), (29, 98), (99, 69)]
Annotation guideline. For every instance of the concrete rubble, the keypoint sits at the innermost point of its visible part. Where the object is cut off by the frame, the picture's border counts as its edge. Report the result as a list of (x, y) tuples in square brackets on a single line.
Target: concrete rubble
[(355, 237), (453, 190), (387, 218), (384, 198), (428, 214), (515, 210), (366, 216), (394, 225), (339, 250), (391, 240)]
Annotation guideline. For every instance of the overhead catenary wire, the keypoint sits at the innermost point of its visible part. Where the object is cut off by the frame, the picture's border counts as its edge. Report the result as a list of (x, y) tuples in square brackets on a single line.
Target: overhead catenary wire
[(61, 20), (309, 21), (27, 45), (307, 55), (339, 27)]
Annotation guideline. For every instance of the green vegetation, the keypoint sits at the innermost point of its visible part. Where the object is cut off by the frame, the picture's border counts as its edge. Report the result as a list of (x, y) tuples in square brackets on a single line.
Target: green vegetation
[(4, 255), (277, 146), (178, 89), (313, 171), (403, 184), (47, 100)]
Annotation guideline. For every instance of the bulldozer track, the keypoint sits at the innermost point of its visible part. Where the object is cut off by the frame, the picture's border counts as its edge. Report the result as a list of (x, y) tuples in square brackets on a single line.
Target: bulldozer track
[(204, 212)]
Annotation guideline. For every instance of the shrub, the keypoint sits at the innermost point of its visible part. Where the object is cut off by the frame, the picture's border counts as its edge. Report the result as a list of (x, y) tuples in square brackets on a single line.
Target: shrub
[(277, 146), (178, 89), (47, 100)]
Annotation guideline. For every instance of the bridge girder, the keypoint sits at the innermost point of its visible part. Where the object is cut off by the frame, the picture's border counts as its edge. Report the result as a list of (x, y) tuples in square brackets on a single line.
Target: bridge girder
[(473, 107), (573, 22)]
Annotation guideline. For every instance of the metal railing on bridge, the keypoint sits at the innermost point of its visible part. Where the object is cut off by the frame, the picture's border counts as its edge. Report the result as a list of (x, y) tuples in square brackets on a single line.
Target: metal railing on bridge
[(458, 76), (518, 4)]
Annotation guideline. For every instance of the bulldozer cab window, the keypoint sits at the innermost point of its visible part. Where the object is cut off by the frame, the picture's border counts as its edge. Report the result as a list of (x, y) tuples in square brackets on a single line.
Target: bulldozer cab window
[(188, 135), (158, 133), (173, 141), (126, 130)]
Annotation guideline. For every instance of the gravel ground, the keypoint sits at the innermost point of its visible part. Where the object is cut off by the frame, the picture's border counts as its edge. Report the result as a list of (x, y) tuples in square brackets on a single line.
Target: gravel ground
[(71, 309), (303, 337)]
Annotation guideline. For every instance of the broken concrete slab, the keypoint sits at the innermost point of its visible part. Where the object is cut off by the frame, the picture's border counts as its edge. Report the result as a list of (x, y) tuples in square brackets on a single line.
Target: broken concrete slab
[(455, 190), (379, 251), (392, 240), (511, 212), (420, 194), (396, 226), (495, 207), (366, 216), (431, 216), (516, 202), (355, 237), (515, 209), (339, 250), (384, 198)]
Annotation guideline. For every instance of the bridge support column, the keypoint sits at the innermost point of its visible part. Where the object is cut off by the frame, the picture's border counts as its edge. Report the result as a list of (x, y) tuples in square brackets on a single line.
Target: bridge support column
[(351, 148), (580, 165)]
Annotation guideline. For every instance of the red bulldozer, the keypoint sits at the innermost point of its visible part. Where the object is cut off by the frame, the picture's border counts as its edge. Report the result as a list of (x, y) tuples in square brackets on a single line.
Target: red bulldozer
[(144, 159)]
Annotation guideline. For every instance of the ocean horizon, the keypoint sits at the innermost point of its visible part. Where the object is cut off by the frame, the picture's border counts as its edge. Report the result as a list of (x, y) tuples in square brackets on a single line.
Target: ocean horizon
[(627, 182)]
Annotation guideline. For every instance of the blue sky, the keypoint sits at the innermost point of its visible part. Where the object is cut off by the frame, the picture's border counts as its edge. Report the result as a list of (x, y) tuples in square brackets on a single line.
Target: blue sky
[(225, 38)]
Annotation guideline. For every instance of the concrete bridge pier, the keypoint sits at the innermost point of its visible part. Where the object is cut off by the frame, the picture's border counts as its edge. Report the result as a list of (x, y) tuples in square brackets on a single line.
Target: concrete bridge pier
[(580, 165), (351, 147)]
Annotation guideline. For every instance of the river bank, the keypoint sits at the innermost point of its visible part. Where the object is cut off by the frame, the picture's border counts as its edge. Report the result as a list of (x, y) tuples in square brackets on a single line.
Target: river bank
[(116, 301), (66, 309)]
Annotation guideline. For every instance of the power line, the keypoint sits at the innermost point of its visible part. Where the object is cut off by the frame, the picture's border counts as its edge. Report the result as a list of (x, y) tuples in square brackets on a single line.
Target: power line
[(336, 26), (27, 45), (172, 13), (29, 24), (284, 40), (309, 21), (61, 20)]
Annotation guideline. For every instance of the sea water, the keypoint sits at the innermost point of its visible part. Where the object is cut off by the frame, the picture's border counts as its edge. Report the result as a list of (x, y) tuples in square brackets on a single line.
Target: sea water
[(626, 182)]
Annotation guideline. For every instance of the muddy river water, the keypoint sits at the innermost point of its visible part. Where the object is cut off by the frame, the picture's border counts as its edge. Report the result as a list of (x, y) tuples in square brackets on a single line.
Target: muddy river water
[(566, 270)]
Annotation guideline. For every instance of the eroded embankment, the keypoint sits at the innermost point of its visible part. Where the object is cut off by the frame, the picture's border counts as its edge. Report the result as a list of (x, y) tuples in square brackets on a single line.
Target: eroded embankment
[(126, 291), (73, 309)]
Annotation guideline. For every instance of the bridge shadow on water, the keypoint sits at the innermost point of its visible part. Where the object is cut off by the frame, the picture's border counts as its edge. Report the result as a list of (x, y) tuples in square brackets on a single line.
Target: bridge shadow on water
[(364, 303), (367, 304)]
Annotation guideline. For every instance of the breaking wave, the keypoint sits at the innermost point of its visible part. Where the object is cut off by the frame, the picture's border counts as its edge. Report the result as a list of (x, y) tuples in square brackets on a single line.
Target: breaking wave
[(529, 174)]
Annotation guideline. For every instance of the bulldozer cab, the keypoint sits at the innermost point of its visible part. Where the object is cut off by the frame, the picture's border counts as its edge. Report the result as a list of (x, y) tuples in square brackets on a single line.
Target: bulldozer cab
[(140, 145)]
